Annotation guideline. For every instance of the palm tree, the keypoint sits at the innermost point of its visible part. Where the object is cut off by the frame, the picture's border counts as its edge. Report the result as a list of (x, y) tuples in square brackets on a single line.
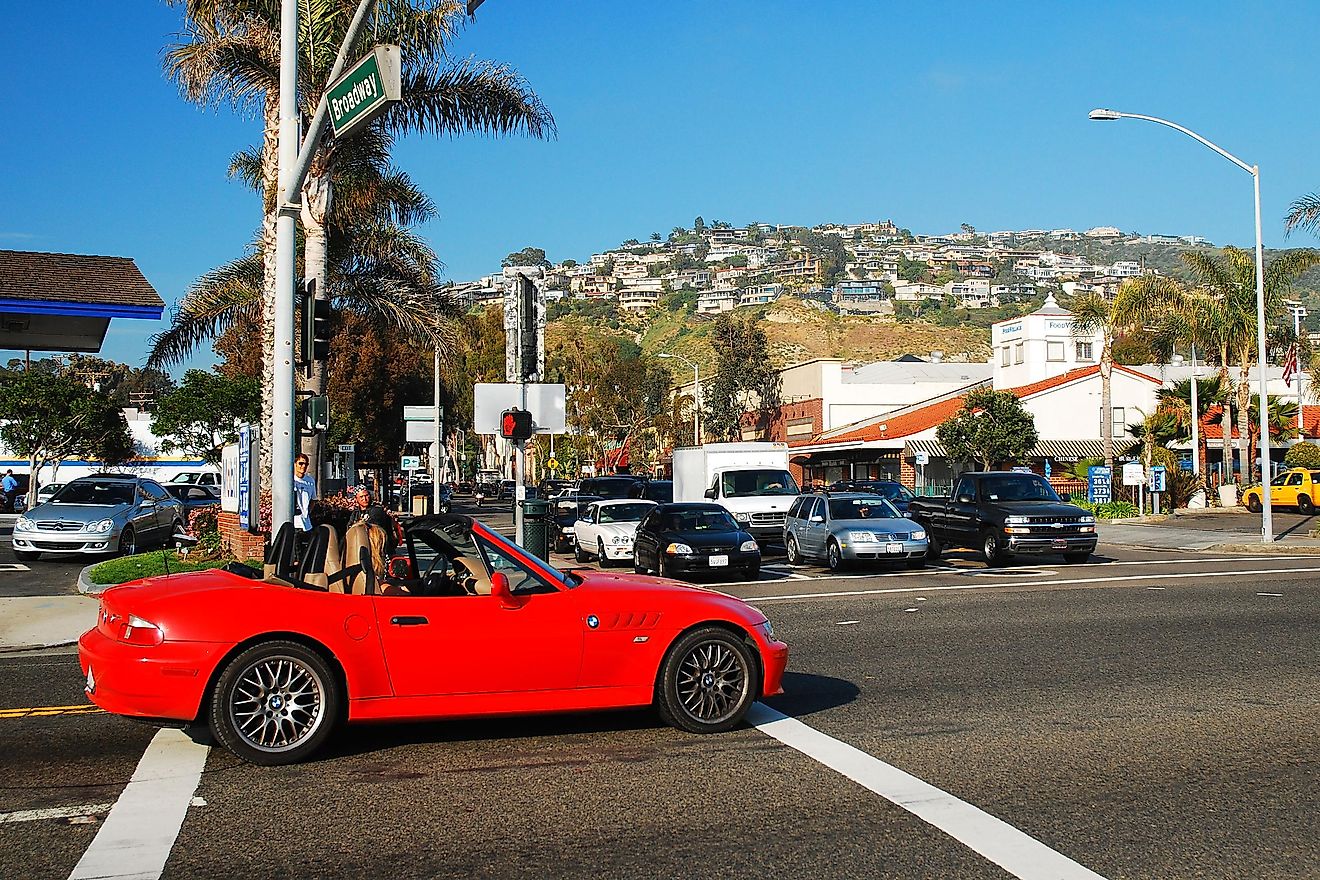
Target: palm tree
[(1155, 429), (1137, 303), (1177, 402)]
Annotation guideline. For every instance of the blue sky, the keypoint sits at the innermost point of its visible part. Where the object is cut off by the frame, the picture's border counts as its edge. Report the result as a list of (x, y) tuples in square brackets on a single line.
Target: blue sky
[(930, 114)]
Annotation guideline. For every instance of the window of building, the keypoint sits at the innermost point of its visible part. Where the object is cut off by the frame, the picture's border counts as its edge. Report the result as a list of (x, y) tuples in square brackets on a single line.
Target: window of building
[(1019, 353), (1084, 351), (1053, 351), (1004, 357), (1120, 419)]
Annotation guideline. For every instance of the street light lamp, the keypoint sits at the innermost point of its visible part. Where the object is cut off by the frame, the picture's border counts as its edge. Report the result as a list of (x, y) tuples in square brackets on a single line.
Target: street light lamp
[(696, 396), (1267, 513), (1298, 312)]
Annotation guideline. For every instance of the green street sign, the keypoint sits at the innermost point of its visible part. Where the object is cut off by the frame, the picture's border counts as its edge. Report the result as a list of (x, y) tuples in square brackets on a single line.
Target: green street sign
[(365, 89)]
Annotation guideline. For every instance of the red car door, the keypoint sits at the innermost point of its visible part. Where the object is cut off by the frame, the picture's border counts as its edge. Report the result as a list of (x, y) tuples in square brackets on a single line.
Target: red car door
[(440, 645)]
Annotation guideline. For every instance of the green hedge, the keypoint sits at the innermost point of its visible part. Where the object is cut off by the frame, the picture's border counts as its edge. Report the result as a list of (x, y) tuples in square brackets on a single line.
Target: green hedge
[(129, 568)]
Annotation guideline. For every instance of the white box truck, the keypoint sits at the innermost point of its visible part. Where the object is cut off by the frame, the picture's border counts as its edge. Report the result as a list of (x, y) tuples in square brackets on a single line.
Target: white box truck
[(751, 481)]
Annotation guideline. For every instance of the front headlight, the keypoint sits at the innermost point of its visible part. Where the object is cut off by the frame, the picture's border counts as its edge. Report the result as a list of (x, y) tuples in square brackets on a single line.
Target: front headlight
[(747, 547), (1087, 519), (678, 549), (742, 516), (619, 539), (861, 537), (23, 524), (104, 525), (918, 534), (1015, 520)]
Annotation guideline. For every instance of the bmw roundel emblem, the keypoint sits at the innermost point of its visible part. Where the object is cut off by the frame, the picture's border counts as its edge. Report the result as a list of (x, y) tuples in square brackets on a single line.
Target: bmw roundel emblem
[(593, 621)]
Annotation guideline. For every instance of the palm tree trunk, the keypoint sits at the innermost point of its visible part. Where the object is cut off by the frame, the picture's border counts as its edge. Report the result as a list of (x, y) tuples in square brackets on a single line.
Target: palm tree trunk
[(1226, 416), (1107, 405), (1248, 463), (315, 204), (270, 193)]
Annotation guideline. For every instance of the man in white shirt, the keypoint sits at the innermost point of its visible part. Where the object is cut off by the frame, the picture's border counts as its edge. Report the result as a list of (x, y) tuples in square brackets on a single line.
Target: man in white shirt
[(304, 493)]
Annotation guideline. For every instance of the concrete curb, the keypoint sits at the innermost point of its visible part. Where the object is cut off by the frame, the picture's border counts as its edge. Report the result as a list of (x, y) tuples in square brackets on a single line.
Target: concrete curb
[(85, 585), (1278, 548)]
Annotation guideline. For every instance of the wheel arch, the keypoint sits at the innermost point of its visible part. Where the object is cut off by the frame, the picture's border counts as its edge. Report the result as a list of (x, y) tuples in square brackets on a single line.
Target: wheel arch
[(733, 629), (281, 636)]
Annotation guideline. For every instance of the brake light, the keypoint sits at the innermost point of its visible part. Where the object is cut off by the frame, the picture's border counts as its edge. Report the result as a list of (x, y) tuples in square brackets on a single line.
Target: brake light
[(136, 631)]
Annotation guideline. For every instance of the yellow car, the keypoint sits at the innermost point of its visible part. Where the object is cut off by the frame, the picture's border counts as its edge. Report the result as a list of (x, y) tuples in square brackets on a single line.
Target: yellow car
[(1298, 487)]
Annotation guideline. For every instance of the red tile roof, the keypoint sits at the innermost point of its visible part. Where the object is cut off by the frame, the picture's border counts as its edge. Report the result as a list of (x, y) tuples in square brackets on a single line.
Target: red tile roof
[(1211, 430)]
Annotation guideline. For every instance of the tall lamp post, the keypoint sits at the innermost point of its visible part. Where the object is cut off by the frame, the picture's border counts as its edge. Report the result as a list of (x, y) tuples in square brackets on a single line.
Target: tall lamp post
[(1267, 513), (1298, 312), (696, 395)]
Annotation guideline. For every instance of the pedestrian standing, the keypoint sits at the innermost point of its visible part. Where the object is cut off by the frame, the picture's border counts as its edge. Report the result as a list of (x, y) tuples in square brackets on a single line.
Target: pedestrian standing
[(9, 485), (304, 493), (368, 511)]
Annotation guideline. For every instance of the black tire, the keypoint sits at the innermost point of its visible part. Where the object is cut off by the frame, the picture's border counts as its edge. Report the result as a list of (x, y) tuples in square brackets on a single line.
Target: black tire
[(919, 562), (254, 678), (933, 548), (600, 553), (991, 552), (793, 551), (579, 554), (752, 572), (1253, 504), (27, 555), (127, 542), (1305, 505), (663, 568), (1077, 558), (707, 682), (833, 556), (639, 569)]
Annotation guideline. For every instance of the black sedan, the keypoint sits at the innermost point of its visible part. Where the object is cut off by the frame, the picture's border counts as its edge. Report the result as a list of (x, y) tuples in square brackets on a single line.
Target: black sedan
[(566, 512), (677, 540), (194, 496)]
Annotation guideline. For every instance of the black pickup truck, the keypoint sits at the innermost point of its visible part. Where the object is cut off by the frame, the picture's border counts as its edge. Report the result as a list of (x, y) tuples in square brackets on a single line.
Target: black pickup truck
[(1001, 513)]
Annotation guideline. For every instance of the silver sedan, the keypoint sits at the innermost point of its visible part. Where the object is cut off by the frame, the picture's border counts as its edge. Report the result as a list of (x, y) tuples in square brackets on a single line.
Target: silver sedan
[(851, 527), (104, 513)]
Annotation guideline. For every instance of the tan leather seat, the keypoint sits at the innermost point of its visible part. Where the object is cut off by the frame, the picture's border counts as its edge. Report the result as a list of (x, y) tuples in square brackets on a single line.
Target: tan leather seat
[(323, 560), (360, 537)]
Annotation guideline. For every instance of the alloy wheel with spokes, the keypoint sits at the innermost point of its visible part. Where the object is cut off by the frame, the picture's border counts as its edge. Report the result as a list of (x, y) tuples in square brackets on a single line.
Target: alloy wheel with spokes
[(708, 681), (275, 703)]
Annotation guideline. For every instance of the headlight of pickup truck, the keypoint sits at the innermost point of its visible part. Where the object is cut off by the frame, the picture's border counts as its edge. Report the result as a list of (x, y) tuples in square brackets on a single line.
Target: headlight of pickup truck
[(1015, 520), (1087, 519), (742, 516)]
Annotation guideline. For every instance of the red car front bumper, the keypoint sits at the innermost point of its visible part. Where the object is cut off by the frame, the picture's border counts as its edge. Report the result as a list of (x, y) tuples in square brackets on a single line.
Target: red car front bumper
[(164, 681), (774, 655)]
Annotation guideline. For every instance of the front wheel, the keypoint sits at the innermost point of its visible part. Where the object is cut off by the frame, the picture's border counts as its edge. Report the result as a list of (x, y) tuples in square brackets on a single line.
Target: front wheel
[(834, 557), (933, 548), (275, 703), (707, 682), (1253, 504), (600, 553), (127, 542), (792, 551), (990, 550)]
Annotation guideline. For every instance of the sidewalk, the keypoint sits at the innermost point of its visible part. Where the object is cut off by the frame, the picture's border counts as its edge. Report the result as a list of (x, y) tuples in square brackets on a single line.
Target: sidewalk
[(1167, 535), (44, 621)]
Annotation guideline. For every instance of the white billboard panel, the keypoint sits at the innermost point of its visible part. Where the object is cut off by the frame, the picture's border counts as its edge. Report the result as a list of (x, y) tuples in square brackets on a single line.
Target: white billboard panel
[(544, 401)]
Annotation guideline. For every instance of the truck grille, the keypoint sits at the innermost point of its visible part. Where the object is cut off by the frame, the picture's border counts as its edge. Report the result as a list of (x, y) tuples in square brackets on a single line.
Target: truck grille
[(769, 519), (1047, 520)]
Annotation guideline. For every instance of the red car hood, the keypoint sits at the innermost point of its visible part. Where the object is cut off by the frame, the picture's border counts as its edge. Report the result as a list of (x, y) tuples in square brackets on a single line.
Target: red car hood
[(644, 585)]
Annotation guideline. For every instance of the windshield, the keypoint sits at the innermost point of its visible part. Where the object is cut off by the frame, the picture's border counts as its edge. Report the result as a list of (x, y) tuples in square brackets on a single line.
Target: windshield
[(749, 484), (610, 487), (1017, 487), (523, 577), (622, 513), (707, 520), (891, 491), (92, 492), (862, 508)]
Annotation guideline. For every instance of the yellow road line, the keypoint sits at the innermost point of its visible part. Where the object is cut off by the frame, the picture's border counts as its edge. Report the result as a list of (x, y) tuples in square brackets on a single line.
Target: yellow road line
[(47, 711)]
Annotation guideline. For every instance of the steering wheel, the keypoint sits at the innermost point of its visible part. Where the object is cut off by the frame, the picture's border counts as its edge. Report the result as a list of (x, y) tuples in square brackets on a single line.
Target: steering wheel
[(448, 577)]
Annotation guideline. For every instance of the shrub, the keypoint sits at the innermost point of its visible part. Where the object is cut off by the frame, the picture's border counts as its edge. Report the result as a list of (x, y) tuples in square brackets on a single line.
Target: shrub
[(204, 525), (1304, 454)]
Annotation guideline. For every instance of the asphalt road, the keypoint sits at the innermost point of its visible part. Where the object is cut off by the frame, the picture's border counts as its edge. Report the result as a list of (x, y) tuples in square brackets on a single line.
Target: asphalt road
[(1146, 716)]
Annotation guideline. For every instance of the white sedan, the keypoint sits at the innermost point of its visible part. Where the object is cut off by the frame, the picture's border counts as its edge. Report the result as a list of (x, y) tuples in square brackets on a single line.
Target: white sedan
[(607, 529)]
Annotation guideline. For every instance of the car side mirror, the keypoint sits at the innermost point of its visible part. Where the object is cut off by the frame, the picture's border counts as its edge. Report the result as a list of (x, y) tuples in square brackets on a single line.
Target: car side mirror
[(712, 494), (964, 499), (499, 588), (817, 519)]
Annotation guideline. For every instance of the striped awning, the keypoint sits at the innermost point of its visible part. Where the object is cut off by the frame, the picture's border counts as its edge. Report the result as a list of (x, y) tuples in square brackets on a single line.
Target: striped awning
[(1054, 449)]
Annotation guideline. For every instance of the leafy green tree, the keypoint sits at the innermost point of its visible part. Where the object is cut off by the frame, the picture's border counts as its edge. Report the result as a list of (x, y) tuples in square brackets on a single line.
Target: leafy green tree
[(698, 225), (1304, 454), (992, 427), (48, 418), (203, 414), (528, 256), (744, 380), (911, 270)]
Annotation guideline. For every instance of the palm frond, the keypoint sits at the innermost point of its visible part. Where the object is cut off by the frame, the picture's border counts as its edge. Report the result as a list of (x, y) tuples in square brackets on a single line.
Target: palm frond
[(1303, 214), (479, 96), (213, 303)]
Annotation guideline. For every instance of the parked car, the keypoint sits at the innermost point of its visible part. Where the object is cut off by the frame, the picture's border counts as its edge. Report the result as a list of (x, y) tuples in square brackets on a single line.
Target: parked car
[(606, 530), (894, 492), (505, 490), (20, 495), (1001, 513), (659, 491), (839, 528), (46, 492), (507, 635), (200, 478), (427, 490), (193, 495), (98, 514), (567, 511), (677, 540), (552, 488), (616, 486), (1295, 487)]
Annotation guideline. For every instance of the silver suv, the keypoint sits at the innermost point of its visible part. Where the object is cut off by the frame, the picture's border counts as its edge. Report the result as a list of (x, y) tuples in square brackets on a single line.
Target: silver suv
[(103, 513), (851, 527)]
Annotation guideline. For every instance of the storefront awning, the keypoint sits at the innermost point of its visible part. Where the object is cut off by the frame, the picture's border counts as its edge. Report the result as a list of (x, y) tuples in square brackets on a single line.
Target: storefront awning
[(1059, 450)]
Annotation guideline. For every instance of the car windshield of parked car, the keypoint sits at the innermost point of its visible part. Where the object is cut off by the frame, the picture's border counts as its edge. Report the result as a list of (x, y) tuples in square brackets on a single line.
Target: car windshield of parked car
[(610, 487), (95, 493), (700, 521), (624, 513), (862, 508), (1017, 487), (754, 483), (892, 491)]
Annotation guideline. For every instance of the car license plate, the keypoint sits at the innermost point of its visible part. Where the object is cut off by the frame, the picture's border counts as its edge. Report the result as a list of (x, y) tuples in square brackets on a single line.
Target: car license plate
[(893, 548), (1059, 544), (717, 561)]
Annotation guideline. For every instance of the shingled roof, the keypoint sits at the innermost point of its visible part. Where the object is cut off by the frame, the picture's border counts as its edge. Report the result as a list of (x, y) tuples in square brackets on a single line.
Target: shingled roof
[(75, 278)]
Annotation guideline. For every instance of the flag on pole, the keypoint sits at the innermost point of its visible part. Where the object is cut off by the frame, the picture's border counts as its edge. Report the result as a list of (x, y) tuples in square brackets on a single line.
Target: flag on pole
[(1290, 365)]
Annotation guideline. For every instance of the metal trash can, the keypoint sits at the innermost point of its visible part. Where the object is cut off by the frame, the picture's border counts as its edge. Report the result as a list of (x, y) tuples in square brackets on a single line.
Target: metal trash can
[(536, 528)]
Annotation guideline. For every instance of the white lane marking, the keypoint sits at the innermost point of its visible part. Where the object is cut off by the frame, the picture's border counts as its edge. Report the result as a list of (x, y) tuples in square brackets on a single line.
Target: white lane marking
[(1275, 595), (1013, 850), (136, 838), (13, 566), (847, 623), (1156, 589), (54, 813), (1130, 577)]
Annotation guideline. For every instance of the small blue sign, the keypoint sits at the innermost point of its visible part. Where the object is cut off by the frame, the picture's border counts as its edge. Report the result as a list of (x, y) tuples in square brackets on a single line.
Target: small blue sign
[(245, 476), (1159, 478), (1099, 484), (1049, 471)]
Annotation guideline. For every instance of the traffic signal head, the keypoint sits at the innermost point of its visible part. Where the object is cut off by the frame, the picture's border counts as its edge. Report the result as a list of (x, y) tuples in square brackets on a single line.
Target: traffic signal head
[(516, 425), (316, 325)]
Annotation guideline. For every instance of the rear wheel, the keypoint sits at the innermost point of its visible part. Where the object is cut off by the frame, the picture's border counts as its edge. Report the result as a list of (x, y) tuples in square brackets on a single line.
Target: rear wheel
[(1305, 505), (275, 703), (708, 681), (1253, 503)]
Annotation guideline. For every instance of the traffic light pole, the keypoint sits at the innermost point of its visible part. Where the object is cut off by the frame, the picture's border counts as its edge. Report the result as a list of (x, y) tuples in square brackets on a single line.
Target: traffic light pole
[(519, 473)]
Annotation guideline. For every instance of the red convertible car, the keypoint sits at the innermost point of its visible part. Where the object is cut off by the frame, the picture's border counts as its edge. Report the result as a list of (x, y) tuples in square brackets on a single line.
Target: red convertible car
[(460, 623)]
